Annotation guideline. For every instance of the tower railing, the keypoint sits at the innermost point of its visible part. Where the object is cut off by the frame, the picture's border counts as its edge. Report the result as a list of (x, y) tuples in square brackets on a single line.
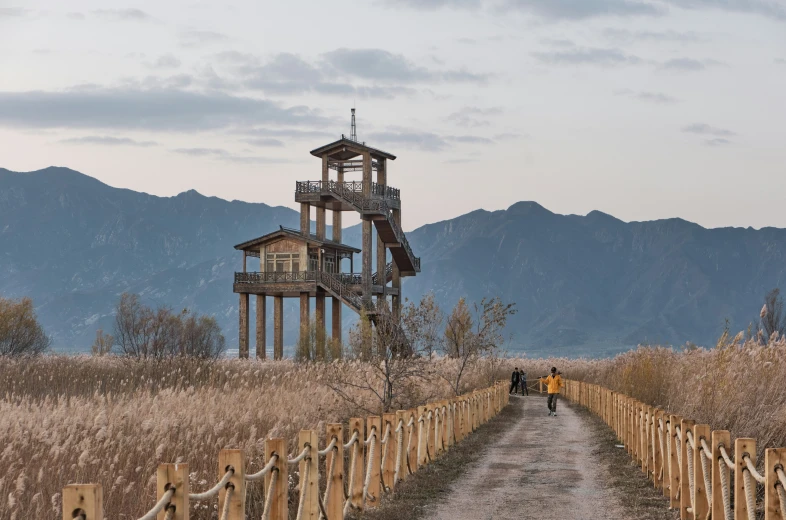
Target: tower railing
[(348, 189), (352, 193)]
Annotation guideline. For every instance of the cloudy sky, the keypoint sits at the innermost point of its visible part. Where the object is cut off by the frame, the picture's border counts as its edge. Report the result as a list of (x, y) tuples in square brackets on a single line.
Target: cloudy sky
[(641, 109)]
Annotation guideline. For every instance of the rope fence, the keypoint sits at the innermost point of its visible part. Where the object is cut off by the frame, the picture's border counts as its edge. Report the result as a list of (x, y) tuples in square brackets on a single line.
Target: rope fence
[(384, 450), (690, 463)]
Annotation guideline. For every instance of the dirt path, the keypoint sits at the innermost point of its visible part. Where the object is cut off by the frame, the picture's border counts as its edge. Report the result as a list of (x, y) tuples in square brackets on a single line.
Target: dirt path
[(542, 467)]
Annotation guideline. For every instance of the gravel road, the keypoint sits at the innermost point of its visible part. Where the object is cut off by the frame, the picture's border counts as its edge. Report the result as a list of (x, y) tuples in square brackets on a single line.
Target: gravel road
[(542, 467)]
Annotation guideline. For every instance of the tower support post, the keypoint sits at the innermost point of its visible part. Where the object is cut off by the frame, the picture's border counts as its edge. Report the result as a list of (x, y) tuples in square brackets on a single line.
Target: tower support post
[(278, 327)]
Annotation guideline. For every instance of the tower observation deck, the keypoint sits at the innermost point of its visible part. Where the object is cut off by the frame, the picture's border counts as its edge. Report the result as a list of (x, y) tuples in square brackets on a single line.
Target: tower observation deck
[(295, 263)]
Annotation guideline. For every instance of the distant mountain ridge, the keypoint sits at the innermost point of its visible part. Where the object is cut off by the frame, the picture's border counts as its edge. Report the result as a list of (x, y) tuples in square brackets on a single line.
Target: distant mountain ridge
[(584, 285)]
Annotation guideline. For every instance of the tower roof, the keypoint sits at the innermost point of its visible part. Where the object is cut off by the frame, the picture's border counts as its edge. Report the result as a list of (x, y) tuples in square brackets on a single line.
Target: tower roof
[(345, 149), (253, 245)]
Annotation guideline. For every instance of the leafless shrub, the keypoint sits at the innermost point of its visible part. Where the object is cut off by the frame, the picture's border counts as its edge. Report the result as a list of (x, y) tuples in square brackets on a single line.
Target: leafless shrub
[(772, 320), (103, 344), (469, 339), (143, 332), (20, 332)]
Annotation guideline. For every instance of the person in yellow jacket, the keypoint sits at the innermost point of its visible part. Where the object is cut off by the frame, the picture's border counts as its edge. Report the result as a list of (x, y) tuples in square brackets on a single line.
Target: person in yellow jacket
[(553, 384)]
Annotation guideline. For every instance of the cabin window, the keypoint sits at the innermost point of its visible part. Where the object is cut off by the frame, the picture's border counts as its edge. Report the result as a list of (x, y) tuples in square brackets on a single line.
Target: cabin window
[(313, 262), (330, 264), (283, 262)]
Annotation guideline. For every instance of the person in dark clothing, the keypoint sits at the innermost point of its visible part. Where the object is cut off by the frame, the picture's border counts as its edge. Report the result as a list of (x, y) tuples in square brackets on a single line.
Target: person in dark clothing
[(514, 381), (523, 382)]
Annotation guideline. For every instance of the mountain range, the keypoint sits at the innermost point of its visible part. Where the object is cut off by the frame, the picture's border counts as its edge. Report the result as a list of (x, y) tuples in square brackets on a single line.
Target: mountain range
[(588, 285)]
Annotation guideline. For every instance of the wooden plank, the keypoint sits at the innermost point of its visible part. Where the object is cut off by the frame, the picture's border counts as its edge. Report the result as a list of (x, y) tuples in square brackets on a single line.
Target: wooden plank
[(773, 458), (174, 475), (719, 438), (389, 469), (334, 505), (356, 485), (87, 498), (374, 455), (279, 499), (701, 501), (311, 486), (685, 491), (742, 446)]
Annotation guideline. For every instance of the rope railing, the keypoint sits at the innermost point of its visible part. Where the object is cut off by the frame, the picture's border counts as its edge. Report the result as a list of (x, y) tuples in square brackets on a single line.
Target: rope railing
[(210, 493), (702, 472), (162, 503), (264, 471), (389, 459)]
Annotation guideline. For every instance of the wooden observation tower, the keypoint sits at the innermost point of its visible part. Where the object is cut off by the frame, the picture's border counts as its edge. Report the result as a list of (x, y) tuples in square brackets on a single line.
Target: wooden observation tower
[(296, 263)]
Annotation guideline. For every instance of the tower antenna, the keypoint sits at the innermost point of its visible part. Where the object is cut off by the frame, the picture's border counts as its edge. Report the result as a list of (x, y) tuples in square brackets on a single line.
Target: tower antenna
[(353, 134)]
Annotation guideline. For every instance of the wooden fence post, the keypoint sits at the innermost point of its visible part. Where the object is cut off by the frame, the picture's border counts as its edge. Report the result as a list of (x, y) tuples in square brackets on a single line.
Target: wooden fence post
[(685, 491), (439, 429), (310, 487), (742, 446), (85, 498), (774, 458), (701, 502), (447, 421), (719, 438), (279, 498), (237, 501), (675, 470), (335, 499), (391, 446), (665, 456), (412, 456), (467, 415), (657, 460), (175, 475), (356, 486), (643, 432), (374, 488), (422, 437), (403, 455)]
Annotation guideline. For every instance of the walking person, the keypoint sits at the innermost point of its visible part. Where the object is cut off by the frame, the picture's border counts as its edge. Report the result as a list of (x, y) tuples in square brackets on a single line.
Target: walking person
[(523, 381), (514, 381), (553, 385)]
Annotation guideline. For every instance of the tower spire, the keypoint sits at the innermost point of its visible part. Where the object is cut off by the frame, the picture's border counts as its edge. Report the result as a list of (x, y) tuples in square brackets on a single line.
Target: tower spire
[(353, 134)]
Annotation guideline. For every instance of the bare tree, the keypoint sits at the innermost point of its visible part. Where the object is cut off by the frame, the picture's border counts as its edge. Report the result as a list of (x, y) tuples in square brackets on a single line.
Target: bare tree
[(201, 337), (469, 338), (423, 324), (20, 332), (143, 332), (103, 343), (388, 380), (772, 318)]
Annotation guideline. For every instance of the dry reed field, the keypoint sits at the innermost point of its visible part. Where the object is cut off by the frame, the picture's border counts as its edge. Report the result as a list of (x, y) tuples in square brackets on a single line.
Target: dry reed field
[(112, 420)]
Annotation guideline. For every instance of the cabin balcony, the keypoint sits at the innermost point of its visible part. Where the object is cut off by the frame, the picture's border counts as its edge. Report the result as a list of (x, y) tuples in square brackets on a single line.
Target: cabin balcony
[(294, 283)]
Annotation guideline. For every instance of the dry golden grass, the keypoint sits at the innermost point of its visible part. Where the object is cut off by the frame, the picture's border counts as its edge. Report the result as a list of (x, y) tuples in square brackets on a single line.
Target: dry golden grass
[(112, 421)]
